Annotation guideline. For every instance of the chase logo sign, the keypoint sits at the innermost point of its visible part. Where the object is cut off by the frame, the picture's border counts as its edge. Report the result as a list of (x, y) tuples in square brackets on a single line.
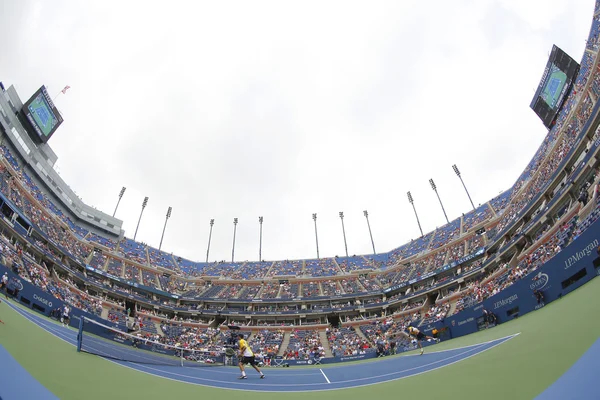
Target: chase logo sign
[(539, 281), (42, 300)]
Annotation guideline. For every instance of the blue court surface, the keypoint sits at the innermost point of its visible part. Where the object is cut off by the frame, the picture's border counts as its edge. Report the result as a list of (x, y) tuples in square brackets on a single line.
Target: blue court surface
[(17, 383), (580, 381), (295, 379)]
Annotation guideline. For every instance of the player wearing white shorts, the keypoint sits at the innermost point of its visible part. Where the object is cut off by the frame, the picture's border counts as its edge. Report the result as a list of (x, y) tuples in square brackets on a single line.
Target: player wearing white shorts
[(65, 315)]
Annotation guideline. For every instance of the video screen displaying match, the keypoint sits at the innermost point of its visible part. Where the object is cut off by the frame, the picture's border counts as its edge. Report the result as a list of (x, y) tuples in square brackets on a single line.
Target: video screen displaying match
[(552, 90), (555, 85), (42, 115)]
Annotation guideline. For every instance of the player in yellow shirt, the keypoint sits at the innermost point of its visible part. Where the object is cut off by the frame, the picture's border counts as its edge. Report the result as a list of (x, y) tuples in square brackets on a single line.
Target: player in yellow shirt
[(418, 335), (246, 356)]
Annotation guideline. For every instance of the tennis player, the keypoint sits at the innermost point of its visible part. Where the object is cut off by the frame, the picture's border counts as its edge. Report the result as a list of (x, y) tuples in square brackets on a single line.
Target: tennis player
[(246, 356), (4, 284), (419, 336), (65, 316)]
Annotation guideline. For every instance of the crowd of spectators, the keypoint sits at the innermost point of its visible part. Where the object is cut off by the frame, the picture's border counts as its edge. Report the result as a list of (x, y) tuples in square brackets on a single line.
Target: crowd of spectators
[(321, 267), (345, 341), (310, 289), (267, 342), (303, 345)]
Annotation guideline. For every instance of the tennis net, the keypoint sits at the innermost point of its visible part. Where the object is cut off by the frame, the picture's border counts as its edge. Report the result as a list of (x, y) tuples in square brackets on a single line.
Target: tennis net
[(112, 343)]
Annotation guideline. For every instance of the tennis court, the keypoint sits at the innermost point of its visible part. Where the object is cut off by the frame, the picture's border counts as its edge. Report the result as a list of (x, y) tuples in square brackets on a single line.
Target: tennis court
[(529, 353), (296, 379)]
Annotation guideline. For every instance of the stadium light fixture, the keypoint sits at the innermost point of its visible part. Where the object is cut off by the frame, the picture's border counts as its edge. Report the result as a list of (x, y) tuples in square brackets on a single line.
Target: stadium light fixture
[(260, 221), (121, 193), (212, 222), (235, 222), (457, 172), (432, 183), (341, 214), (366, 214), (314, 217), (144, 204), (412, 203), (165, 227)]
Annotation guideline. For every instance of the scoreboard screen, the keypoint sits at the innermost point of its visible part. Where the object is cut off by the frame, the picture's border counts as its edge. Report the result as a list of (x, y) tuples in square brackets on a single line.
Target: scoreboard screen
[(556, 83), (41, 114)]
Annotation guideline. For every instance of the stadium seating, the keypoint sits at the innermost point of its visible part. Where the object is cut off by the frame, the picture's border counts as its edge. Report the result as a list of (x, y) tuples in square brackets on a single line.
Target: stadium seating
[(345, 341), (302, 344), (115, 266)]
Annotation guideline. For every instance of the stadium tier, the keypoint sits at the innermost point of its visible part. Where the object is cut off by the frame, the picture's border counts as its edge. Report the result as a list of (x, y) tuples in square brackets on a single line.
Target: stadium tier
[(287, 306)]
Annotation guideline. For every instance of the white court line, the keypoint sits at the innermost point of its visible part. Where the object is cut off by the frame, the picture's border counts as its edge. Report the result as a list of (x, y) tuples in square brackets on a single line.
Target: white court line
[(141, 368), (324, 376)]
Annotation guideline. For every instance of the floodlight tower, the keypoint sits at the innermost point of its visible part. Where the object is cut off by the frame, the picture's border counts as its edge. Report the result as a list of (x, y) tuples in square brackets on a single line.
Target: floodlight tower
[(260, 221), (144, 204), (314, 217), (212, 222), (344, 232), (165, 227), (366, 214), (412, 203), (121, 193), (235, 222), (432, 183), (457, 172)]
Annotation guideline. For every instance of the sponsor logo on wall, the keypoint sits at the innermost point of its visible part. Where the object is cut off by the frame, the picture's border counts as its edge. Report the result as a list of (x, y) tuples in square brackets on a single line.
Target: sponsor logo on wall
[(575, 258), (42, 300), (507, 301), (539, 281)]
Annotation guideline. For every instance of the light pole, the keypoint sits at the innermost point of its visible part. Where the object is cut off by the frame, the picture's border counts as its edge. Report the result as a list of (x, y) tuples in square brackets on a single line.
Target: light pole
[(212, 222), (260, 221), (235, 222), (121, 193), (412, 203), (457, 172), (164, 227), (314, 217), (366, 214), (145, 202), (344, 232), (432, 183)]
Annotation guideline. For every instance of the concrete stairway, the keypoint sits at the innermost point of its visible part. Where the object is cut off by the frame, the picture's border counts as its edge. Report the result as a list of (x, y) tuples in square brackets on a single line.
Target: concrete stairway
[(325, 344), (452, 307), (158, 328), (284, 344)]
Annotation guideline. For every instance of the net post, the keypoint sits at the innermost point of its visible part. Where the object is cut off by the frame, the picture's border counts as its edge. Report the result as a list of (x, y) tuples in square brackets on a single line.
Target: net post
[(181, 356), (80, 334)]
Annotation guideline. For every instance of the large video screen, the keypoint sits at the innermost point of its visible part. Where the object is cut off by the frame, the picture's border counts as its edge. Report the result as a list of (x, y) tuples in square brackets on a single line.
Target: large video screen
[(42, 115), (556, 83)]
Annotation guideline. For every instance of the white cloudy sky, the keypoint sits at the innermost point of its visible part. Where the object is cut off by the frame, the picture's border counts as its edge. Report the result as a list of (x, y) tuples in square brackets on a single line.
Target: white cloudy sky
[(241, 109)]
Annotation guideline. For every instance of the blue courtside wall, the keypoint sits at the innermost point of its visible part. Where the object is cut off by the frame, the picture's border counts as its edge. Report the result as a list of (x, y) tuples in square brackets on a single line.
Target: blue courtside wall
[(44, 301), (580, 254)]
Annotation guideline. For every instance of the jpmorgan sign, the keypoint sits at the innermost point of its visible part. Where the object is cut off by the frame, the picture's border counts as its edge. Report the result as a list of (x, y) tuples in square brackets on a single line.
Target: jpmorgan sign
[(508, 300), (583, 253)]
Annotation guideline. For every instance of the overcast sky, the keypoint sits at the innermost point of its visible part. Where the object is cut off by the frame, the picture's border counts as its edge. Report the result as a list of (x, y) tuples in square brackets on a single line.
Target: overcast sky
[(242, 109)]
